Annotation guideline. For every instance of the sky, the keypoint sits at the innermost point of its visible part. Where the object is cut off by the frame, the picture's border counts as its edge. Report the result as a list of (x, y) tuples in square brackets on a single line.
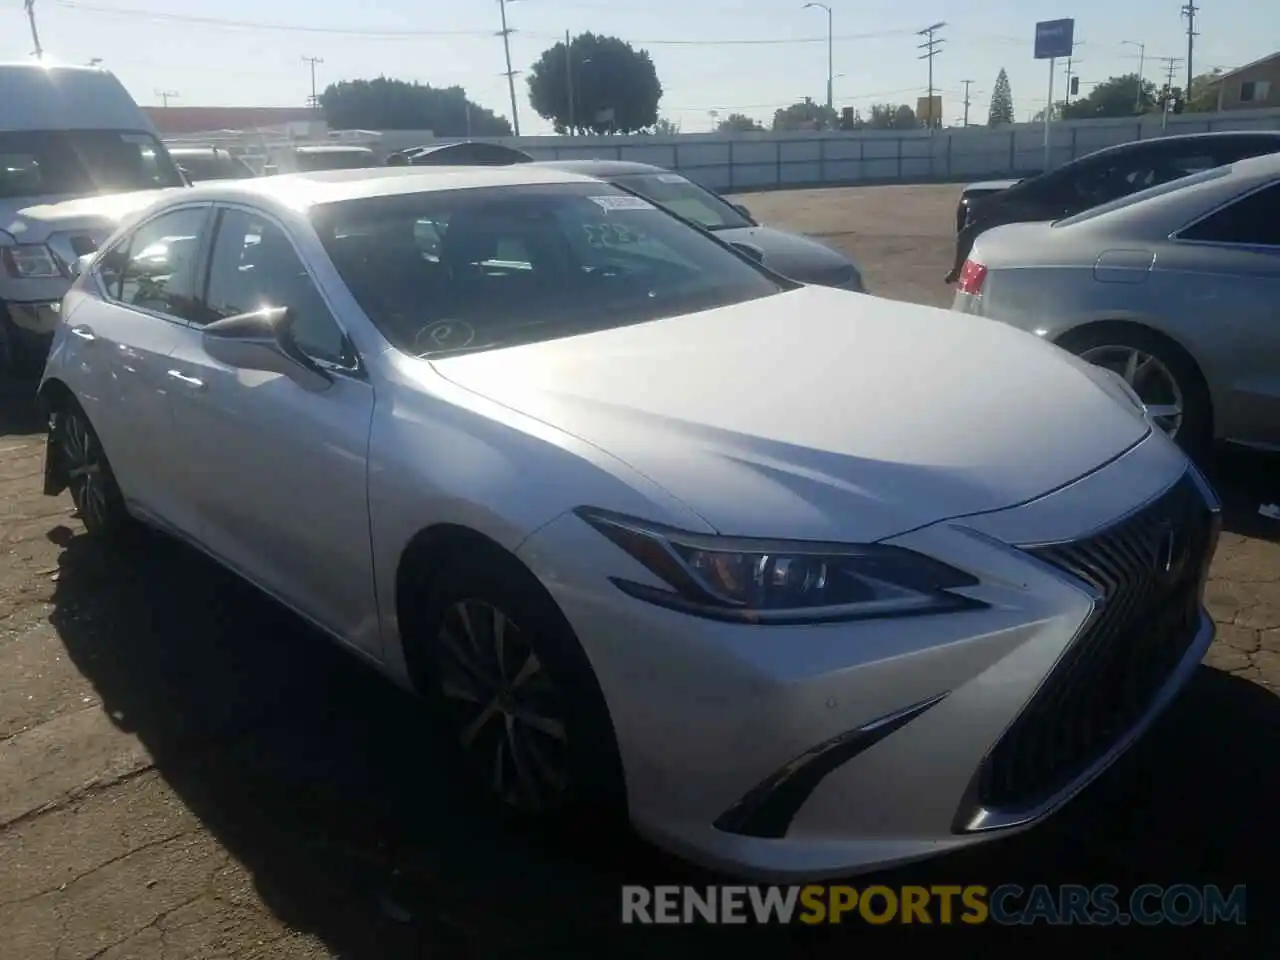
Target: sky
[(712, 56)]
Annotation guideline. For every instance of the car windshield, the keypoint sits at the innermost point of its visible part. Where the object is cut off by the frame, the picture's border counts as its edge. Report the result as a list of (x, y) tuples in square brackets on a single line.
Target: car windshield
[(213, 166), (474, 269), (684, 198), (1156, 191), (36, 163)]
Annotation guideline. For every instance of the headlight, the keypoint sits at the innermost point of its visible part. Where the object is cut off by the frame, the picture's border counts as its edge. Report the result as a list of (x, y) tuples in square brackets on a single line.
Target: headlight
[(778, 581), (31, 261)]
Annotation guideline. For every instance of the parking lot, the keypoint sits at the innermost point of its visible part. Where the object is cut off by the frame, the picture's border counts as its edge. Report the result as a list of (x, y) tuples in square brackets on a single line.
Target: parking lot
[(186, 771)]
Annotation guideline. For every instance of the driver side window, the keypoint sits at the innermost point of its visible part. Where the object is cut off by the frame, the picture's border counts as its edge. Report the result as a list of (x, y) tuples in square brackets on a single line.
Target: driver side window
[(255, 266)]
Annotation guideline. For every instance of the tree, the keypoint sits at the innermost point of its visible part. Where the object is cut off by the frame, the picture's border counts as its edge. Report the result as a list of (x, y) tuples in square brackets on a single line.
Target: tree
[(615, 87), (1204, 92), (666, 128), (892, 116), (739, 123), (1123, 96), (386, 104), (805, 115), (1001, 111)]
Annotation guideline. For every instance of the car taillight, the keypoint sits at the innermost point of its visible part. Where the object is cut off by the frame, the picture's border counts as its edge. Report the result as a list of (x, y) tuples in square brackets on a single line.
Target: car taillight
[(972, 276)]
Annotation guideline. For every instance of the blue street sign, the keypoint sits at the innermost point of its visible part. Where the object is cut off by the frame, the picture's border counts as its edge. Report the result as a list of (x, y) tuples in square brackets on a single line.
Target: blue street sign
[(1054, 38)]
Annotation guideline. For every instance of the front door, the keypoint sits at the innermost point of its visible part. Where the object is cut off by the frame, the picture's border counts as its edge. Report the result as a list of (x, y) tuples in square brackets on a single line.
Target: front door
[(277, 472)]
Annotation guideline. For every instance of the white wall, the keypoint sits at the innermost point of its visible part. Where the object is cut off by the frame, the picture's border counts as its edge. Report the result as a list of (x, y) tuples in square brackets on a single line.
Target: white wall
[(762, 161)]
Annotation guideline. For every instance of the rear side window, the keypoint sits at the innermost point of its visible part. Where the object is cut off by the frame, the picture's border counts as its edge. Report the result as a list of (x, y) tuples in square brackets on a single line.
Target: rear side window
[(155, 269), (1250, 221)]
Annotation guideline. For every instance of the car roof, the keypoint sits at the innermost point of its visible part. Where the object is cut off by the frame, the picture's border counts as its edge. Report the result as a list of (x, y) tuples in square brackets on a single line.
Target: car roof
[(601, 168), (333, 148), (1170, 206), (1183, 139), (302, 190)]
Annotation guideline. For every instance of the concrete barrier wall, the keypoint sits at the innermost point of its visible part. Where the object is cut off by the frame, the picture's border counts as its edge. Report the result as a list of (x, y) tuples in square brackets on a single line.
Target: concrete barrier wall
[(769, 161)]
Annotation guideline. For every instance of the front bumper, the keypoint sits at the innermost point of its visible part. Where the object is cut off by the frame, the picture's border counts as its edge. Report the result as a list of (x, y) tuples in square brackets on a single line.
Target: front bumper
[(715, 722), (30, 326)]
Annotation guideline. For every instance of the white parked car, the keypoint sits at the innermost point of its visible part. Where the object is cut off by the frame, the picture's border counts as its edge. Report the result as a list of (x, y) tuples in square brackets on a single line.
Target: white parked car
[(660, 531)]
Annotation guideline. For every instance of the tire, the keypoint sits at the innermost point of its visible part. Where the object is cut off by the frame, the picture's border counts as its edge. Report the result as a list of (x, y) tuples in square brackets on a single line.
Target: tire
[(1194, 428), (554, 682), (94, 491)]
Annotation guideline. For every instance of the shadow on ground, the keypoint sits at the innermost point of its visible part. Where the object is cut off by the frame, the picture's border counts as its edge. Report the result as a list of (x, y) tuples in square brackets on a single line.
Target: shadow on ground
[(327, 786), (19, 413), (1246, 481)]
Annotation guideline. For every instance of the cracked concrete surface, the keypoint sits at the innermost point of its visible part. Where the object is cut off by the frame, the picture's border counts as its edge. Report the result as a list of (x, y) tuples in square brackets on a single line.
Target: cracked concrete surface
[(187, 772)]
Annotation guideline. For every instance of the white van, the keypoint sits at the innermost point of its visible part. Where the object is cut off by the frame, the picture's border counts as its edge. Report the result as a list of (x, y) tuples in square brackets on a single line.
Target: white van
[(66, 133)]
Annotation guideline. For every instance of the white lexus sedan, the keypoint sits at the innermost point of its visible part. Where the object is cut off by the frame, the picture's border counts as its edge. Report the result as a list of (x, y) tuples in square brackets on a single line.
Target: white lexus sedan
[(801, 581)]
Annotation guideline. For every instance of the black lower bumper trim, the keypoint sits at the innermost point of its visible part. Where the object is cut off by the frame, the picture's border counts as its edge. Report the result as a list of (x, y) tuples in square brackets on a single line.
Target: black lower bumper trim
[(766, 811)]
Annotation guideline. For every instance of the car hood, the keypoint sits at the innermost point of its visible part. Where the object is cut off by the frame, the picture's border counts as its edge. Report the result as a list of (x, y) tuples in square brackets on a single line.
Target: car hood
[(990, 186), (794, 256), (819, 413), (36, 219)]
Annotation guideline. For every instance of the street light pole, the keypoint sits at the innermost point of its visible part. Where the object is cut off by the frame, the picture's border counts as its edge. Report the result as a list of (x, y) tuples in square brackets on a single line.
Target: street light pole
[(1142, 57), (831, 63)]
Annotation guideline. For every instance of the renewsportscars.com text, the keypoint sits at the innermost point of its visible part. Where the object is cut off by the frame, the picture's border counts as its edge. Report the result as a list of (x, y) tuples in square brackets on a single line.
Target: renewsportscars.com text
[(1008, 905)]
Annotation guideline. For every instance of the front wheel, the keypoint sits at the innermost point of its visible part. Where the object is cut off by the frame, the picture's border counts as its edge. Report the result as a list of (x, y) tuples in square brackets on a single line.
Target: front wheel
[(88, 474), (508, 677), (1163, 376)]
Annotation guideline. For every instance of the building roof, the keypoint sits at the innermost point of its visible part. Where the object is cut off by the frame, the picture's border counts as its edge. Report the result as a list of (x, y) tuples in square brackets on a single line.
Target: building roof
[(1248, 66), (176, 121)]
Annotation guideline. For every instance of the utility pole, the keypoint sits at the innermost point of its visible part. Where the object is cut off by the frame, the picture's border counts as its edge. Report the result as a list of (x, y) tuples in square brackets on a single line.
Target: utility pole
[(1070, 71), (568, 74), (967, 85), (1170, 64), (35, 34), (165, 96), (1142, 63), (315, 100), (831, 63), (1189, 10), (505, 33), (931, 49)]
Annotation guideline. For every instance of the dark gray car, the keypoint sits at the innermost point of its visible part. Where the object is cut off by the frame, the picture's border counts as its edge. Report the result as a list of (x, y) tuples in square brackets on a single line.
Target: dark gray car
[(791, 255)]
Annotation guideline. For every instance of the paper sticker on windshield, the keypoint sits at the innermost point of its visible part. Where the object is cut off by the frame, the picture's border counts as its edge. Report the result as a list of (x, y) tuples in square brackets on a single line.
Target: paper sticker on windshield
[(621, 203), (670, 178)]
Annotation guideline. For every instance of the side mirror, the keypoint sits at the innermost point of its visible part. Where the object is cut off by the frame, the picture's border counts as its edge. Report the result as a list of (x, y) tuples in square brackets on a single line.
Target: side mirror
[(81, 265), (743, 211), (755, 253), (263, 340)]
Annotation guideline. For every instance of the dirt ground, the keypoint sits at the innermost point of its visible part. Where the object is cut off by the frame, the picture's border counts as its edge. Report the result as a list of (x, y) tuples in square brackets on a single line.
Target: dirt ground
[(187, 772)]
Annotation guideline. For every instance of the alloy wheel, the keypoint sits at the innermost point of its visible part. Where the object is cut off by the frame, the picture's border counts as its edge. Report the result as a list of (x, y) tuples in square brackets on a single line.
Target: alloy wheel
[(506, 709), (85, 466), (1150, 379)]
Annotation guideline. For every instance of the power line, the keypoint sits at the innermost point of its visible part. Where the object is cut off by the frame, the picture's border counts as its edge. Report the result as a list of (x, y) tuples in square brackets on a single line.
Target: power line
[(1189, 10), (931, 49), (401, 34)]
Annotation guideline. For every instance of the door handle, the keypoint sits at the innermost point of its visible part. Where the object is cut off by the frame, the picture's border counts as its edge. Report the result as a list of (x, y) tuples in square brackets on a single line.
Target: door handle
[(195, 383), (84, 333)]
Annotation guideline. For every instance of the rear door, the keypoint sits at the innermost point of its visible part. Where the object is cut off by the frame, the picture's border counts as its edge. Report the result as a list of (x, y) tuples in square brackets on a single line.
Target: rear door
[(1230, 261), (119, 344)]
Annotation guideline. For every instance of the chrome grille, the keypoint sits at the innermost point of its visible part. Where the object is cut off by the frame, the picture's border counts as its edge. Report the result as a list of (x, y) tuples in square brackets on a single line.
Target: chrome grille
[(1149, 572)]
